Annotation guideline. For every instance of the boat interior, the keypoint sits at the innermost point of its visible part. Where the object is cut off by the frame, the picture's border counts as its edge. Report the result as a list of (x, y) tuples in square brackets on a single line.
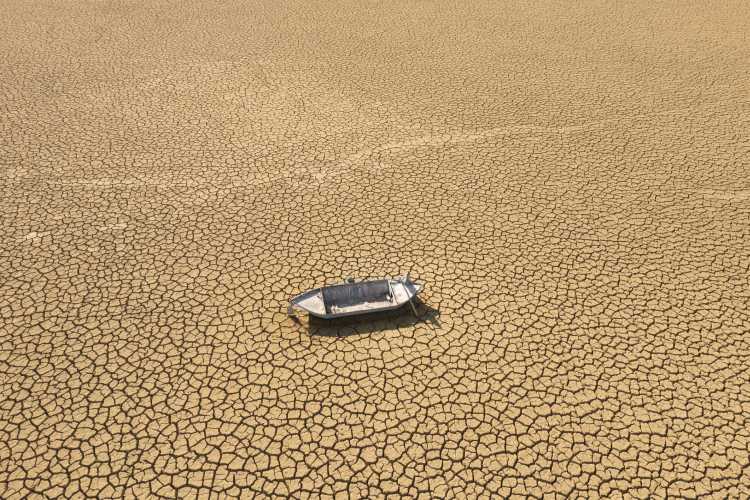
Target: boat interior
[(355, 296)]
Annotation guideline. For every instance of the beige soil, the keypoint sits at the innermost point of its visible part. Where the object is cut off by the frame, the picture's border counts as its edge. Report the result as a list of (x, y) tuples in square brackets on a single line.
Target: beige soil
[(570, 179)]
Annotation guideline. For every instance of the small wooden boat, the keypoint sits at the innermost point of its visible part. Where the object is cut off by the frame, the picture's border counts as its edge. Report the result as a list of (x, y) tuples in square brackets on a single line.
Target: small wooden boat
[(351, 298)]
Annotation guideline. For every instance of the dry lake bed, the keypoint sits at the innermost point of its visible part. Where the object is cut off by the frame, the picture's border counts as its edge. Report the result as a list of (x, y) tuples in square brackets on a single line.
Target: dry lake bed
[(571, 181)]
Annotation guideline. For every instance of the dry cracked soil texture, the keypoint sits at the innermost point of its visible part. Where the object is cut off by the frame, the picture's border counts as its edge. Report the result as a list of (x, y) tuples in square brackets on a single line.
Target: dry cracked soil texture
[(570, 180)]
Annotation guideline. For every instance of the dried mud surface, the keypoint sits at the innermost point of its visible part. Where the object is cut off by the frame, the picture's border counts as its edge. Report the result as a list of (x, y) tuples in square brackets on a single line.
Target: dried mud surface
[(572, 182)]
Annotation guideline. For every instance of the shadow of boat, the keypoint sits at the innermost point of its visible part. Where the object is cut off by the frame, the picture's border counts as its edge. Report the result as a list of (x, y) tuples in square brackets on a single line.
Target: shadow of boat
[(374, 322)]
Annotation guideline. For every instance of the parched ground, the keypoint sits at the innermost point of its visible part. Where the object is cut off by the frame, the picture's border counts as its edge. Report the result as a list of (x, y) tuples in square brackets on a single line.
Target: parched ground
[(570, 180)]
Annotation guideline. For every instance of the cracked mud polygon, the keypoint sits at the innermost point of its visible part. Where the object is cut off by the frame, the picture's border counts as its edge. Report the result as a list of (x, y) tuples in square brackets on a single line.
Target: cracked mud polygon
[(570, 181)]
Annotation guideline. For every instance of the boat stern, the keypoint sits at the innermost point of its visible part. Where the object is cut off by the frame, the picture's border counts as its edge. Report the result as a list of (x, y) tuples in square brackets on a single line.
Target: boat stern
[(404, 289)]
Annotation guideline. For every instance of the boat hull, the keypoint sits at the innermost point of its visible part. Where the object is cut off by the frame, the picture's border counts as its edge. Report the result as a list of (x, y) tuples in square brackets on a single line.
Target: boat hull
[(352, 299)]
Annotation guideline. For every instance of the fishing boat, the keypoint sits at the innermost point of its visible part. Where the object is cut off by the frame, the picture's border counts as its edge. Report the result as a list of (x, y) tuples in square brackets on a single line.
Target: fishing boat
[(351, 298)]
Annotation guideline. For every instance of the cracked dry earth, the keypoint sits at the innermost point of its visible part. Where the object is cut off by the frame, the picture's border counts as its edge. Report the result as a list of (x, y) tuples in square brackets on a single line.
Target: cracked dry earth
[(571, 182)]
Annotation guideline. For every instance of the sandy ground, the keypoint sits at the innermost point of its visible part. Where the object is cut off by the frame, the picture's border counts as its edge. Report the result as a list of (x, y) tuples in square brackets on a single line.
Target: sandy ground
[(571, 181)]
